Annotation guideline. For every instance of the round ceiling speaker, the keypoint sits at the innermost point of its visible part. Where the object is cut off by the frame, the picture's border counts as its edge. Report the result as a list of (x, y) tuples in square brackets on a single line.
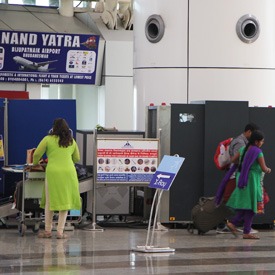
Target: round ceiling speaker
[(248, 28), (154, 28)]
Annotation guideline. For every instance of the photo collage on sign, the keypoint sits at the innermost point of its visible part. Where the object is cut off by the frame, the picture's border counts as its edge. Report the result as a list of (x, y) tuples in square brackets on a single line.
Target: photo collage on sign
[(80, 61), (128, 165)]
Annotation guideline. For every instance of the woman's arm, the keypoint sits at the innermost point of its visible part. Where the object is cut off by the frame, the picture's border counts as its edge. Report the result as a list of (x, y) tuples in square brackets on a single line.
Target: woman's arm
[(264, 168), (76, 154), (235, 158), (39, 151)]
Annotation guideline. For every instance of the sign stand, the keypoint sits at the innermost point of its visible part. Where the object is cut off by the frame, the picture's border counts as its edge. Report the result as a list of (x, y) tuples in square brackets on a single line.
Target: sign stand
[(121, 161), (94, 226), (150, 233), (162, 180), (159, 226)]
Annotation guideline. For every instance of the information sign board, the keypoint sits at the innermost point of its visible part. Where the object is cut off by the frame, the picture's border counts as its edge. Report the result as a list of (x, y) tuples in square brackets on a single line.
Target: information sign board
[(126, 161)]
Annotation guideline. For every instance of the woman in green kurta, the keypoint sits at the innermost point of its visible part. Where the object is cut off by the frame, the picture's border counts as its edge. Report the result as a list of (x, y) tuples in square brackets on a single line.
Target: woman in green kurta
[(248, 191), (61, 191), (248, 197)]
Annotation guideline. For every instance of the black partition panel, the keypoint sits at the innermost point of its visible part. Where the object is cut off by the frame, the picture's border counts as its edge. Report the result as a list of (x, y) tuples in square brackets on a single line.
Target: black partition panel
[(223, 119), (187, 132), (265, 118)]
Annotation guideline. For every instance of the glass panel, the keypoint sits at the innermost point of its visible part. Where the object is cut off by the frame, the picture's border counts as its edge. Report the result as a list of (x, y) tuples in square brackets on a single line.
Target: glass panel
[(44, 3)]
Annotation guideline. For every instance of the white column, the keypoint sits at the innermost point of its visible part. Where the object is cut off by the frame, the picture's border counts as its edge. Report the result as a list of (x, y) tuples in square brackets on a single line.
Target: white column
[(66, 8), (65, 91)]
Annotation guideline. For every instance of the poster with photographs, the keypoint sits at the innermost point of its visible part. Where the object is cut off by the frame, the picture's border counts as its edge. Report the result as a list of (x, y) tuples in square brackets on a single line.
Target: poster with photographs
[(129, 161)]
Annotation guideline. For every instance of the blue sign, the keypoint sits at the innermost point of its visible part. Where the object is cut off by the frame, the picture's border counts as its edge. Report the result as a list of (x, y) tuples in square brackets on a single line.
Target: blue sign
[(166, 172), (50, 58)]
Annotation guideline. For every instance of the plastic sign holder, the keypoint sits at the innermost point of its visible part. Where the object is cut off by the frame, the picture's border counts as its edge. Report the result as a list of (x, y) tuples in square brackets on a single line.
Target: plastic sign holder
[(162, 180)]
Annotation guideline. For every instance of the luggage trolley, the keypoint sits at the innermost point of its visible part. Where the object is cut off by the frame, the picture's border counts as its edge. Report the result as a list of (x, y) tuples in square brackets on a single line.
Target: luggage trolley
[(32, 188)]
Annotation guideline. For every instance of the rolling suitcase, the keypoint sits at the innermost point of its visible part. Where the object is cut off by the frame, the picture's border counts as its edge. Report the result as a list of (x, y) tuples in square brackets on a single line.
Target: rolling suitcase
[(205, 215)]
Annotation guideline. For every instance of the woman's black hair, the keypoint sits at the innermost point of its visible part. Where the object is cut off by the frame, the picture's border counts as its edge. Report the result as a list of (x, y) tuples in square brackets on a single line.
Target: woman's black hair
[(62, 130), (256, 135)]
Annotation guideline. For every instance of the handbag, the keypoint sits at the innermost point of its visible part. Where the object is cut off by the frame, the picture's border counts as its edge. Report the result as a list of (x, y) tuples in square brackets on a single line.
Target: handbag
[(266, 198), (261, 204)]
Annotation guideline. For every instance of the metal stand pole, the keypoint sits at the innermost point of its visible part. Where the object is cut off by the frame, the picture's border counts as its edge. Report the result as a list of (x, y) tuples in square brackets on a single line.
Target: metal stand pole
[(150, 236), (159, 226), (94, 226)]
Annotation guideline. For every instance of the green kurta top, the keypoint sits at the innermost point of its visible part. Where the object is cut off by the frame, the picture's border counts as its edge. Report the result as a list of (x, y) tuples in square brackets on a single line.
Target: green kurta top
[(248, 197), (63, 186)]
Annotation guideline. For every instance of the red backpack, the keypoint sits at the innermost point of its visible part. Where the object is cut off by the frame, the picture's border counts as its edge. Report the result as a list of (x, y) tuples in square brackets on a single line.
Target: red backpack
[(222, 157)]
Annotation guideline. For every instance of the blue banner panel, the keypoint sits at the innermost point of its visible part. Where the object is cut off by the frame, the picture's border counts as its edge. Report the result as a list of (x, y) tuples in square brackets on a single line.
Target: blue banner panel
[(30, 120), (2, 117), (51, 58), (2, 111)]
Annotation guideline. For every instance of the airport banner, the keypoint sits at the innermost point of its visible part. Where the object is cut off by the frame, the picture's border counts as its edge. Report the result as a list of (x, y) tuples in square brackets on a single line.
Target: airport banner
[(50, 58)]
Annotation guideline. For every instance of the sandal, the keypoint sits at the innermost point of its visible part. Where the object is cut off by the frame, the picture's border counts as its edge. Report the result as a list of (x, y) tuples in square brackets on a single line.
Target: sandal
[(61, 236), (250, 237), (44, 234), (232, 228)]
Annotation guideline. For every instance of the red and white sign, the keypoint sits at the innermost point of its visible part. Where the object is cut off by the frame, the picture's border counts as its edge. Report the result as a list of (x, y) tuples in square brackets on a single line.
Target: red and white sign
[(126, 160)]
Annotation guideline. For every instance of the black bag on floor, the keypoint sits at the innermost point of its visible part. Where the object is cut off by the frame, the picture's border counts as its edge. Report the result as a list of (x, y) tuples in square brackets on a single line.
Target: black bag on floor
[(206, 215)]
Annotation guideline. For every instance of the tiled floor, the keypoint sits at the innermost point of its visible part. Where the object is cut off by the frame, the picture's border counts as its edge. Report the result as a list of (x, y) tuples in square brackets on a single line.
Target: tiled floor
[(112, 251)]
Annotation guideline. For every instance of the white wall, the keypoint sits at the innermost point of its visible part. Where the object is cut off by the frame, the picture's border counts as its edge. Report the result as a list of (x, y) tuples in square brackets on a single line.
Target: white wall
[(214, 41), (160, 69), (118, 84), (119, 103), (255, 86), (222, 66), (115, 93), (157, 86), (200, 56), (86, 106)]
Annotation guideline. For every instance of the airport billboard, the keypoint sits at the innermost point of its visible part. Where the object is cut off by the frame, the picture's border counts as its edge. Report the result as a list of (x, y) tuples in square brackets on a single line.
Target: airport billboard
[(50, 58)]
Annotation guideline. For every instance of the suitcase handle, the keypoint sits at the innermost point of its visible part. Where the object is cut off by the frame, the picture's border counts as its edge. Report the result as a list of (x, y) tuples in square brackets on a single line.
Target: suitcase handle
[(202, 200)]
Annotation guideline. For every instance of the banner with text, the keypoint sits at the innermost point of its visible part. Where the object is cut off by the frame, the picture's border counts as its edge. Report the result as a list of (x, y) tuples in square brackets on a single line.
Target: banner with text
[(50, 58), (126, 161)]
